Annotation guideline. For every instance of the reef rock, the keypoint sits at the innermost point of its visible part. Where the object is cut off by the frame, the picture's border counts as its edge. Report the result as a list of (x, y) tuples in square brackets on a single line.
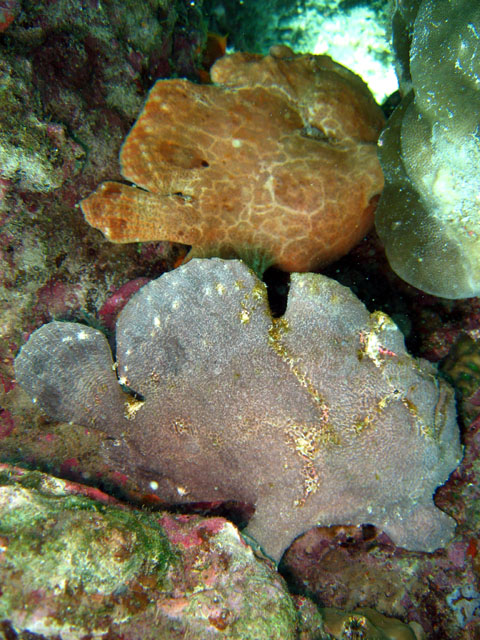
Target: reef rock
[(317, 417), (73, 567), (275, 164)]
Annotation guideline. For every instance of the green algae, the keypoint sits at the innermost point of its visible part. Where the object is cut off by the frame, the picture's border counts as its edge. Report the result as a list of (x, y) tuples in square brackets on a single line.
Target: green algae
[(62, 543)]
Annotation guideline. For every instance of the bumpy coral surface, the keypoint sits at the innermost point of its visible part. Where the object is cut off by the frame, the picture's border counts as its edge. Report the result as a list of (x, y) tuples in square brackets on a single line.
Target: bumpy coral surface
[(275, 164), (317, 417), (428, 216)]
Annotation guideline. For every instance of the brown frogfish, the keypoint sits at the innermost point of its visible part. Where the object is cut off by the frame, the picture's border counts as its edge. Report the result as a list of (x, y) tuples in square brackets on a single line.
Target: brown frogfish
[(275, 163)]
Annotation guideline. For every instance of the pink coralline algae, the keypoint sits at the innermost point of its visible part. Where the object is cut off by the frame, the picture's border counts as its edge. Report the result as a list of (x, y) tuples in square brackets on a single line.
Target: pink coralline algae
[(317, 417), (115, 303)]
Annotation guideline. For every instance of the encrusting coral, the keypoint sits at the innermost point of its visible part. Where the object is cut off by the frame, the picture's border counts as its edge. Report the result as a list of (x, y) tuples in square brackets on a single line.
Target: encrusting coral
[(275, 164), (428, 215), (319, 416)]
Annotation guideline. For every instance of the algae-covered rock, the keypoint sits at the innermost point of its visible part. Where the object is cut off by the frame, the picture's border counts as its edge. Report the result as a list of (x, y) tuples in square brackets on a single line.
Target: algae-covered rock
[(37, 154), (72, 566)]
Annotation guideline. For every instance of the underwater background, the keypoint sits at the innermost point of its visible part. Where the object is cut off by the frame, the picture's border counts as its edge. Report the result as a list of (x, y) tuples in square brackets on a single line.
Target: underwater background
[(331, 378)]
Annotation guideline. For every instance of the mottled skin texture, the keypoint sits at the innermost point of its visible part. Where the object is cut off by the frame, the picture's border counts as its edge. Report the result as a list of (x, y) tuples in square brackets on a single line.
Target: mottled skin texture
[(276, 164), (317, 417)]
